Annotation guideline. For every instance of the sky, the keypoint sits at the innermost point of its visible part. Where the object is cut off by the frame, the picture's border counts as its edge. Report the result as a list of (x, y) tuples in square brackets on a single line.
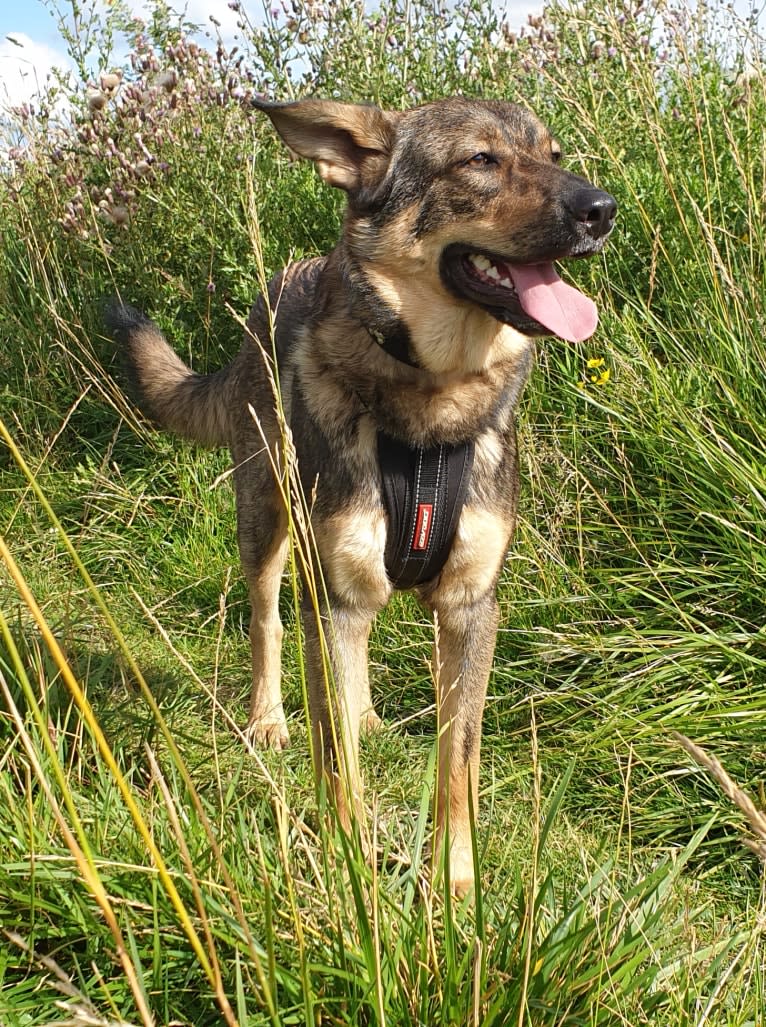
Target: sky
[(33, 48), (30, 43)]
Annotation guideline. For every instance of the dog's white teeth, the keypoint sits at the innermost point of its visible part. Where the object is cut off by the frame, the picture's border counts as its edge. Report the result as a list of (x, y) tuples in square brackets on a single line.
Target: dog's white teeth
[(489, 271), (480, 261)]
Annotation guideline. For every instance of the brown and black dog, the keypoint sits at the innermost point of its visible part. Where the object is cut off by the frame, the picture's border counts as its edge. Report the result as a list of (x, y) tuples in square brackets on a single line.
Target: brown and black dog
[(419, 325)]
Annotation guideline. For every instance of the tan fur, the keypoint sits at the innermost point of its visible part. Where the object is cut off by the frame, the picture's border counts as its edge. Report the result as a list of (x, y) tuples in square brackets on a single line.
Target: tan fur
[(352, 545), (480, 544), (489, 450), (267, 724), (448, 337)]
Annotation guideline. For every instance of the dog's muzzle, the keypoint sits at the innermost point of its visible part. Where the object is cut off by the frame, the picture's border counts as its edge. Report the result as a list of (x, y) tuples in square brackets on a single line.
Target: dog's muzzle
[(596, 210)]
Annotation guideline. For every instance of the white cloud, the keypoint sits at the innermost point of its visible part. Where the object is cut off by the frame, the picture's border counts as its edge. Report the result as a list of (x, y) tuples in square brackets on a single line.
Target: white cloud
[(25, 64), (199, 12), (24, 68), (516, 11)]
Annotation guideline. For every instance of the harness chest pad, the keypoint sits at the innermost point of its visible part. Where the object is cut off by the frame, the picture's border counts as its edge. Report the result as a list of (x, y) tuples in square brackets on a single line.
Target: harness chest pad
[(423, 491)]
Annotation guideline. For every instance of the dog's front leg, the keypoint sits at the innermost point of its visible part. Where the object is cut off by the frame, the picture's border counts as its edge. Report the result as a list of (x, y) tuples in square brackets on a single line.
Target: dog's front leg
[(336, 647), (463, 649)]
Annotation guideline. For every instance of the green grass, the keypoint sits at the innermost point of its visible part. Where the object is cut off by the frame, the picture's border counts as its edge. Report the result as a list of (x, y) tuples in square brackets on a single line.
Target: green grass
[(151, 873)]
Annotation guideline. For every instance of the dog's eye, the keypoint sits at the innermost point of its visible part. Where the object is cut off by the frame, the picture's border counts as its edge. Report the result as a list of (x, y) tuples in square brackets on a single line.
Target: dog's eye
[(555, 155), (479, 160)]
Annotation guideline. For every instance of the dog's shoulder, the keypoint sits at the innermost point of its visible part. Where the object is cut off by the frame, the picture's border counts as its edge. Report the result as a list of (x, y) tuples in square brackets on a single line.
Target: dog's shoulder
[(289, 303)]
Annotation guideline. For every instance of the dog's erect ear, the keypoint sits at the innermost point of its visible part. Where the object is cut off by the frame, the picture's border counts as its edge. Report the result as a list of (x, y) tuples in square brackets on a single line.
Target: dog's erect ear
[(349, 143)]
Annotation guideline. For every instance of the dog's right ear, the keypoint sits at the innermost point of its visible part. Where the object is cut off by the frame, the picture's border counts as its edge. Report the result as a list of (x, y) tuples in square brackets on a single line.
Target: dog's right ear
[(349, 143)]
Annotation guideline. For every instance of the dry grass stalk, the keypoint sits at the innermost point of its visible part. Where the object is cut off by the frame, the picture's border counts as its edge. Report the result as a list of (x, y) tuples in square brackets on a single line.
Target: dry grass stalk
[(755, 817)]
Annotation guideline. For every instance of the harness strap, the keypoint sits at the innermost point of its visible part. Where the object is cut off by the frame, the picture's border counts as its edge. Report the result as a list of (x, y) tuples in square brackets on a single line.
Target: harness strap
[(424, 491)]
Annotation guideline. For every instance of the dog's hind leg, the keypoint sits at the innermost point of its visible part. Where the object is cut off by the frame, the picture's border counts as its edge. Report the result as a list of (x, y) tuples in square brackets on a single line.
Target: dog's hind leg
[(266, 724), (262, 537)]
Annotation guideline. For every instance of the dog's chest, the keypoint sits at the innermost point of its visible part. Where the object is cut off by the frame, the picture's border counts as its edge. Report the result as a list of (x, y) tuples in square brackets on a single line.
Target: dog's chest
[(386, 514)]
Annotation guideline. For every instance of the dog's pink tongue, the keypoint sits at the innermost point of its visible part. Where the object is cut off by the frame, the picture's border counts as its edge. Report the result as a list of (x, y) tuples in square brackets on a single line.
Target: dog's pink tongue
[(565, 311)]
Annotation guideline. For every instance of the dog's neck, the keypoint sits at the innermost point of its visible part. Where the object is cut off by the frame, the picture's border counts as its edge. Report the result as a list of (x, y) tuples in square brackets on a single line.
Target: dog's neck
[(414, 322), (405, 398), (372, 312)]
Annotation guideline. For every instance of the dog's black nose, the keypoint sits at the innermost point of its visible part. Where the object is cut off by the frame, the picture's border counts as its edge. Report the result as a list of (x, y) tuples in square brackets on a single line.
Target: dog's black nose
[(596, 209)]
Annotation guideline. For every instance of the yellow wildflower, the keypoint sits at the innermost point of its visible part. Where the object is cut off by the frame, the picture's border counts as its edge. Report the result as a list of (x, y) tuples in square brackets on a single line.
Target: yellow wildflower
[(600, 376)]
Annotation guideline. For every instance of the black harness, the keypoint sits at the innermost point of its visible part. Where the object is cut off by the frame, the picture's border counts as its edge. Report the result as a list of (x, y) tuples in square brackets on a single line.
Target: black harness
[(423, 490)]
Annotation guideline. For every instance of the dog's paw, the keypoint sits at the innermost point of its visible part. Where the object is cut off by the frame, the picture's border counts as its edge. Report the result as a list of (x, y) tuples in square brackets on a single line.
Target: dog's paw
[(463, 887), (370, 721), (461, 871), (267, 733)]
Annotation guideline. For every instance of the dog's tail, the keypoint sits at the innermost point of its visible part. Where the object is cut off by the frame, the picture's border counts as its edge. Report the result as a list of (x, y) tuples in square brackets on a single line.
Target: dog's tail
[(166, 390)]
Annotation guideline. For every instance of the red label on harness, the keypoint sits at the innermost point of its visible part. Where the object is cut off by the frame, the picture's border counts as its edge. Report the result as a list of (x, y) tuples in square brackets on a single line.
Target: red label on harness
[(423, 526)]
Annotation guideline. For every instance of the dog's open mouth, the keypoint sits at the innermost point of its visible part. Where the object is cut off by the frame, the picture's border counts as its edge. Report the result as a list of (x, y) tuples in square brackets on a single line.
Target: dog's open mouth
[(531, 297)]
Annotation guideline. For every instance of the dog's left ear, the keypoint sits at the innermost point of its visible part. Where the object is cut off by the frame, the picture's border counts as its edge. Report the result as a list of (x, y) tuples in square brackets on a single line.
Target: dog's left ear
[(349, 143)]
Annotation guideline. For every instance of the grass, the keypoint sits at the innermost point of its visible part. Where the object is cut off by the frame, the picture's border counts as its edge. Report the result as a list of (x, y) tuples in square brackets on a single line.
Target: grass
[(151, 874)]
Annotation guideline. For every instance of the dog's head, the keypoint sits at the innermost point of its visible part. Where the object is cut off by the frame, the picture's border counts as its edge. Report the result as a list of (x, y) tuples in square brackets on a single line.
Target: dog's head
[(464, 196)]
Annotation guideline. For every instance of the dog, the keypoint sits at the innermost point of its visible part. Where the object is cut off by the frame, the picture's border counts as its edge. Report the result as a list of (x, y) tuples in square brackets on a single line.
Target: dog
[(418, 328)]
